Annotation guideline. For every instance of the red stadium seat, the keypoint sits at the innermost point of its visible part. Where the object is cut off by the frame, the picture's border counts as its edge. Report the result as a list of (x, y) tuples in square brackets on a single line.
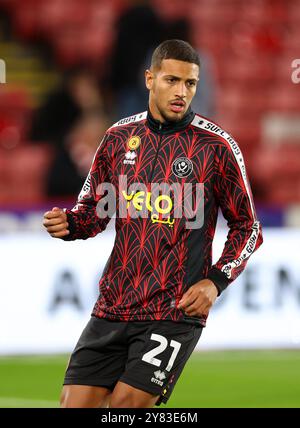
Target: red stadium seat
[(59, 15), (95, 43), (212, 41), (8, 4), (14, 116), (277, 169), (284, 192), (172, 9), (246, 130), (241, 100), (246, 70), (211, 13), (290, 38), (66, 47), (294, 12), (285, 98), (23, 173), (26, 18)]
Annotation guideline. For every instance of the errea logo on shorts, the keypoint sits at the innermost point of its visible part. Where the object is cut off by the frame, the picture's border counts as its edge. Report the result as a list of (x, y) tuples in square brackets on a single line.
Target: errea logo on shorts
[(159, 377)]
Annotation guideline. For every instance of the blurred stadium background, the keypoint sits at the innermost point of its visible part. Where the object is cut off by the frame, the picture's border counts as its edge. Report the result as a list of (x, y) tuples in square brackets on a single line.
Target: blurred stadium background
[(68, 69)]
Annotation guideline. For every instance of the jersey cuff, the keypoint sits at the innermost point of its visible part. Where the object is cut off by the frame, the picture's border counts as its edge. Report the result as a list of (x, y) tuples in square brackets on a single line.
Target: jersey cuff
[(72, 225), (219, 279)]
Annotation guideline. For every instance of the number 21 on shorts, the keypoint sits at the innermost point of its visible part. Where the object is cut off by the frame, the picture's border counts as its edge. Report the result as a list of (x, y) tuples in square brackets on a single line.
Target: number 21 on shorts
[(149, 357)]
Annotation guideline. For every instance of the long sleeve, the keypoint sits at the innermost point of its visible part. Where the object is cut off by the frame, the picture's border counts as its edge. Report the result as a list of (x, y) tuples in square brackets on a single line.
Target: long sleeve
[(85, 219), (233, 192)]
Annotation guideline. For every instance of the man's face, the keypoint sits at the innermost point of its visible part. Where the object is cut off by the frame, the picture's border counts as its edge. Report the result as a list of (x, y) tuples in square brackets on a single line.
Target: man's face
[(172, 89)]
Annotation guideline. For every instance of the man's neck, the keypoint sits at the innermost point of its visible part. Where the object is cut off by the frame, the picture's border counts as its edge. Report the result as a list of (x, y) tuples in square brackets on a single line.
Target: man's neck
[(155, 113), (169, 127)]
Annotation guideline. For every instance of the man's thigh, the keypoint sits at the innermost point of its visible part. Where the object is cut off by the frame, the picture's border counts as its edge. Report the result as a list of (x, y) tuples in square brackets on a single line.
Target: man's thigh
[(84, 396), (99, 357), (126, 396), (157, 354)]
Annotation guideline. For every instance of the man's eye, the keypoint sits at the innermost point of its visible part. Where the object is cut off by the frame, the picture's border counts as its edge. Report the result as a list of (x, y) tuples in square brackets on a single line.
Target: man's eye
[(191, 83), (170, 80)]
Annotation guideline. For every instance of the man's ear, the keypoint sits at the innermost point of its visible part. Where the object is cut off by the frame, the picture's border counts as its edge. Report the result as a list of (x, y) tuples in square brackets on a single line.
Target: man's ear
[(149, 79)]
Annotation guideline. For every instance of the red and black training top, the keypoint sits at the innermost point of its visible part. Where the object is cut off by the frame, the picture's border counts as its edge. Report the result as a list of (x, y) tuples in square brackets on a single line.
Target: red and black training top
[(156, 258)]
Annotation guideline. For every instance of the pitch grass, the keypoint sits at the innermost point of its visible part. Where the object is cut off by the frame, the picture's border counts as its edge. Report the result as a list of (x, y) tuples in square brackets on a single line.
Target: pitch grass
[(210, 379)]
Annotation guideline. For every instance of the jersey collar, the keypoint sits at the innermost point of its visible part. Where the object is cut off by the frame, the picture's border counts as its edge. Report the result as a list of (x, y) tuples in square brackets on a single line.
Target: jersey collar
[(169, 127)]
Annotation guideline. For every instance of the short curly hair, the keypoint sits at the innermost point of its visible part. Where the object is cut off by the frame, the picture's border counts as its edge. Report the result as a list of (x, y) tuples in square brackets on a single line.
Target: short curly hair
[(174, 49)]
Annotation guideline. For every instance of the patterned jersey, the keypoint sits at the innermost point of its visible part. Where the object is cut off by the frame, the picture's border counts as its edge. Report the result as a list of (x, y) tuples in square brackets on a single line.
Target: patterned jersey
[(158, 253)]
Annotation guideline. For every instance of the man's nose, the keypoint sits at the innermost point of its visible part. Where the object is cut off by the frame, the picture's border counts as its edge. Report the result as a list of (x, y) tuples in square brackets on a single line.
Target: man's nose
[(181, 90)]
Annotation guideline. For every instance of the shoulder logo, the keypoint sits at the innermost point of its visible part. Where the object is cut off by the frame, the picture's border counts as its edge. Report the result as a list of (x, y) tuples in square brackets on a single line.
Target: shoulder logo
[(85, 188), (182, 167), (131, 119)]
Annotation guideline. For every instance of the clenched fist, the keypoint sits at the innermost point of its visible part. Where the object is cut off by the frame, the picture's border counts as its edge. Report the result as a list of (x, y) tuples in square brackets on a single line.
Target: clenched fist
[(55, 222), (199, 298)]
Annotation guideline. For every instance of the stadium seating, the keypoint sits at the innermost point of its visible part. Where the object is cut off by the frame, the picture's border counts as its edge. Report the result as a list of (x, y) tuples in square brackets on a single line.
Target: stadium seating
[(22, 173), (253, 45), (14, 115)]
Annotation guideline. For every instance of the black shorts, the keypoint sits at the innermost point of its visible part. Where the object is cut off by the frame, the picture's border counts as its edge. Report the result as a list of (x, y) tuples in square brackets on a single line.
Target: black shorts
[(148, 355)]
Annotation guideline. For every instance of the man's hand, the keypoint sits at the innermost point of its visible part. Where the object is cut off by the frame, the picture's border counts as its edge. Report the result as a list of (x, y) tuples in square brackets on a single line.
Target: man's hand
[(199, 298), (55, 222)]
